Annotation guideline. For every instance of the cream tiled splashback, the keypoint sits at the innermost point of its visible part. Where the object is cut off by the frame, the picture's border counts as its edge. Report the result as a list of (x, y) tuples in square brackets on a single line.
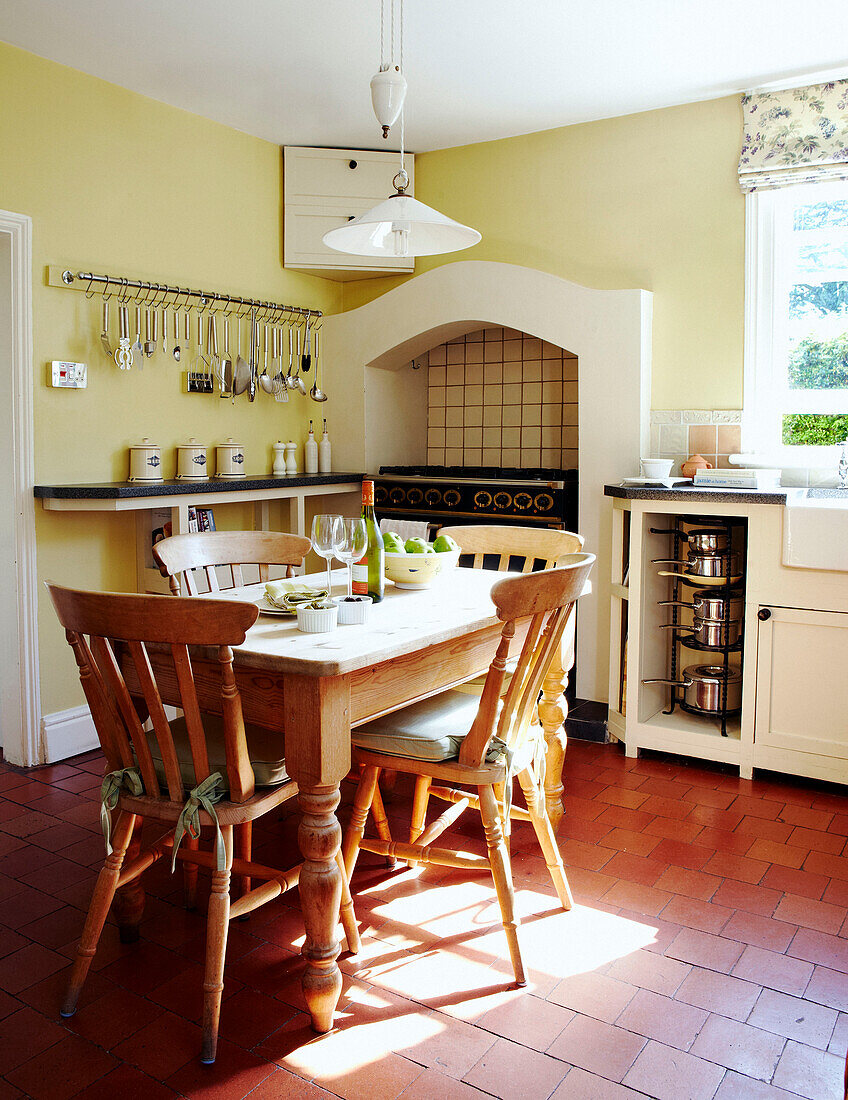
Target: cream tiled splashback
[(498, 397), (679, 433)]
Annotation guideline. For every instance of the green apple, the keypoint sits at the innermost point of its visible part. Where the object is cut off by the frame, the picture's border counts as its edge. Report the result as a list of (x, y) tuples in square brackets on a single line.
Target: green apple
[(444, 544), (415, 546), (393, 543)]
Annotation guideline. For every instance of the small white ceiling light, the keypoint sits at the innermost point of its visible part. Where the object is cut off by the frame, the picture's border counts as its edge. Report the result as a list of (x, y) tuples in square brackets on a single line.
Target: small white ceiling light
[(400, 226)]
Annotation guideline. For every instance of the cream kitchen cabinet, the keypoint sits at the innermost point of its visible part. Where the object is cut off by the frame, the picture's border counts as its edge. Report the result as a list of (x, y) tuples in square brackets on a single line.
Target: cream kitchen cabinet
[(802, 690), (324, 188), (794, 712)]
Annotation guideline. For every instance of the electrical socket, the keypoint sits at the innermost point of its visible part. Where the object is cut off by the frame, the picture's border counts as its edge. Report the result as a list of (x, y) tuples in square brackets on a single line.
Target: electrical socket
[(68, 376)]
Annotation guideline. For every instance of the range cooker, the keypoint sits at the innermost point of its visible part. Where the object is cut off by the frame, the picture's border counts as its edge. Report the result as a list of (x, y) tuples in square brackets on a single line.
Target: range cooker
[(486, 494)]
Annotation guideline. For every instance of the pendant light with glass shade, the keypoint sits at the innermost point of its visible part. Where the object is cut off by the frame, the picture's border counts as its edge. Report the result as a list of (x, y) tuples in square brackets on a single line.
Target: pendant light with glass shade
[(400, 226)]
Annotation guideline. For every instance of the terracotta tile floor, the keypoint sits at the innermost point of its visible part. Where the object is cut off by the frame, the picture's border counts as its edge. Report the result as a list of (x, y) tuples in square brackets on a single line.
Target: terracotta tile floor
[(707, 956)]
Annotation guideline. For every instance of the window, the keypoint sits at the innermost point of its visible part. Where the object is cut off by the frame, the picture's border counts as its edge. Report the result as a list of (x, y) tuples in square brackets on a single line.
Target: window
[(796, 354)]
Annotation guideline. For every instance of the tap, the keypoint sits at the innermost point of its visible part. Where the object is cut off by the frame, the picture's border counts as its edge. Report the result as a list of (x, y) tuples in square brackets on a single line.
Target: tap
[(842, 468)]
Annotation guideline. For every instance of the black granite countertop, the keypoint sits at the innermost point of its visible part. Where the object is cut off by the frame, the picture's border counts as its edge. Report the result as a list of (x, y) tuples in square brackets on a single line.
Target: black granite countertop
[(124, 490), (699, 495)]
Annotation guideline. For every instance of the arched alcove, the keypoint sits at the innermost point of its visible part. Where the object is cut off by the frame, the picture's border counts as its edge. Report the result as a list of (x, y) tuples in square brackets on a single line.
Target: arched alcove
[(608, 330)]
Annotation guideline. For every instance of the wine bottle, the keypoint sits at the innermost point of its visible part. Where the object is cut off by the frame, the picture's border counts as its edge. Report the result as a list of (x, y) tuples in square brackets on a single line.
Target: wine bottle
[(368, 578)]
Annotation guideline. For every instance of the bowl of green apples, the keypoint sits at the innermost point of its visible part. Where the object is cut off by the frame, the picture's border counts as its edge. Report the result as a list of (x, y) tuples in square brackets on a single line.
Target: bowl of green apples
[(417, 563)]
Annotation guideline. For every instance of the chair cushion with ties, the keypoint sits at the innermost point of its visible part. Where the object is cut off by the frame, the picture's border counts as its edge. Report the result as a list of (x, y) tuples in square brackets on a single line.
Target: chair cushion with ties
[(263, 746)]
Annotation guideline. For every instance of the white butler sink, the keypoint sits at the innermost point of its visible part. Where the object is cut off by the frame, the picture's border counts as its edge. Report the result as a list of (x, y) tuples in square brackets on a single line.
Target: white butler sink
[(815, 529)]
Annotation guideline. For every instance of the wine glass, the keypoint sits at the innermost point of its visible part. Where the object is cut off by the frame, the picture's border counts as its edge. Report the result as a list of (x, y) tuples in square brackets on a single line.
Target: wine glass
[(351, 546), (326, 536)]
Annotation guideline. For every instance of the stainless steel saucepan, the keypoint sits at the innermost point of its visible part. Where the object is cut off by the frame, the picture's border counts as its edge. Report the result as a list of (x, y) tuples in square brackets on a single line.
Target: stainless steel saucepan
[(711, 540), (705, 565), (707, 605), (711, 632), (702, 686)]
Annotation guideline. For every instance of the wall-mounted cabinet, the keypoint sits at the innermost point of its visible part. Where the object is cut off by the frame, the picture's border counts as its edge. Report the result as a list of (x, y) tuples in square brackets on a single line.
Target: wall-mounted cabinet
[(324, 189)]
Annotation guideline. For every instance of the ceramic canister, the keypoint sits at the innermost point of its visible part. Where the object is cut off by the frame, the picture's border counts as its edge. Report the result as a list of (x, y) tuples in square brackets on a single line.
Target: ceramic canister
[(145, 461), (191, 461), (229, 459)]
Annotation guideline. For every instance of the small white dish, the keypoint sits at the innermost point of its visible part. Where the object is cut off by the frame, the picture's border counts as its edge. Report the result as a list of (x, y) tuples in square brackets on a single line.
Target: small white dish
[(353, 610), (266, 608), (666, 482), (317, 620), (656, 467)]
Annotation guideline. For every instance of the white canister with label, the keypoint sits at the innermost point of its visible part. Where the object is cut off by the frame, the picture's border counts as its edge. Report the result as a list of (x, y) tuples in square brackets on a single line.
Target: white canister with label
[(145, 461), (191, 461), (229, 459)]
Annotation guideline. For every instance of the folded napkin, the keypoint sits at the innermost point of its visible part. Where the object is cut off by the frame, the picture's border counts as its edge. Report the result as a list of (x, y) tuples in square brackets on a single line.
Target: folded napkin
[(286, 595)]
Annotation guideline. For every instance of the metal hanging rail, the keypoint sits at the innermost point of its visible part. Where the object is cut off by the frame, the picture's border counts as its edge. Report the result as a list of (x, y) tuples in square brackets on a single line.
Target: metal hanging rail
[(162, 294)]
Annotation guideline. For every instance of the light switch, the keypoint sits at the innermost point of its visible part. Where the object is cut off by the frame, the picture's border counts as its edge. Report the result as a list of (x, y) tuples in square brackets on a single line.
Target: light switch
[(69, 376)]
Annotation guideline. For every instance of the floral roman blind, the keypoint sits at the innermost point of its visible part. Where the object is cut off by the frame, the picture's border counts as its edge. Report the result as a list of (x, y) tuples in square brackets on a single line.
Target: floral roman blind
[(794, 136)]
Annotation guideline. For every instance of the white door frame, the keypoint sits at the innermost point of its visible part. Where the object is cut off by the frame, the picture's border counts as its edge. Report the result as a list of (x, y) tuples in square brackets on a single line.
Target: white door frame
[(23, 740)]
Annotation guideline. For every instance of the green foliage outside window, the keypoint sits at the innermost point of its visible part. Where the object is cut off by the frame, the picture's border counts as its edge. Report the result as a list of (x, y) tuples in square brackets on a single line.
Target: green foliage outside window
[(819, 364), (814, 429)]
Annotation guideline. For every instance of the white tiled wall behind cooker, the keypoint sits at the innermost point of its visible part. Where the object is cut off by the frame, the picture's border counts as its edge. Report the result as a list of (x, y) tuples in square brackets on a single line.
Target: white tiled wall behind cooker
[(498, 397)]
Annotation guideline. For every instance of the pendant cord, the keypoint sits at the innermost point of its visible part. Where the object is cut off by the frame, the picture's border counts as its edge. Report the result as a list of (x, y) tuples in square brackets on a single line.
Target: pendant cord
[(403, 108), (383, 65)]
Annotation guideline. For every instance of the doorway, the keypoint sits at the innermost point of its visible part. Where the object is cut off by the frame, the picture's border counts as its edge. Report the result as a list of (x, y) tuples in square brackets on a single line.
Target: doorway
[(20, 711)]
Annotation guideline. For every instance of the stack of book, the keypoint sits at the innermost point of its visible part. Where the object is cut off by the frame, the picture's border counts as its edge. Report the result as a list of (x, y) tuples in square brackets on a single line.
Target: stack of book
[(200, 519), (737, 478)]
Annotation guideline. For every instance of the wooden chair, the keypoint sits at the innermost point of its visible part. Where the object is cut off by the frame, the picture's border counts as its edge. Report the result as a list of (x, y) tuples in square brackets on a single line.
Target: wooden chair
[(180, 556), (454, 738), (113, 637), (524, 546)]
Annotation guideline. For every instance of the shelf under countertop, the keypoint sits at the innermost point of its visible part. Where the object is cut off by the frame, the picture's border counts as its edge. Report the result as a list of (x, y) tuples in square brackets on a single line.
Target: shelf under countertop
[(128, 490)]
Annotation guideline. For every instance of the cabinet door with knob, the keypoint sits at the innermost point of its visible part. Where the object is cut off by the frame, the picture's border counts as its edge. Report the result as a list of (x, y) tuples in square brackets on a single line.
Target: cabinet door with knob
[(802, 686), (324, 188)]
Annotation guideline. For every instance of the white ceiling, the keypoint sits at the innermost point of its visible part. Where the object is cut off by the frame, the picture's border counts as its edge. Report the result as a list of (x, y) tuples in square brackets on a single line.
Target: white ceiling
[(297, 71)]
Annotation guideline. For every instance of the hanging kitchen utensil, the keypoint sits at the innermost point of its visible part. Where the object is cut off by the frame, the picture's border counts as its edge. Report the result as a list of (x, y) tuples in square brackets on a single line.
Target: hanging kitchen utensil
[(281, 392), (316, 393), (226, 362), (164, 330), (212, 349), (265, 380), (104, 334), (306, 359), (297, 381), (123, 353), (241, 375), (177, 352), (254, 356), (149, 346)]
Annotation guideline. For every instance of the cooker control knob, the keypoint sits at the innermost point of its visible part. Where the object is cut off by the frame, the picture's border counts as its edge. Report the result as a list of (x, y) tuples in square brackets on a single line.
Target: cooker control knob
[(451, 498), (482, 499), (414, 496), (544, 502), (396, 495), (764, 614), (502, 500), (522, 501), (380, 494), (432, 496)]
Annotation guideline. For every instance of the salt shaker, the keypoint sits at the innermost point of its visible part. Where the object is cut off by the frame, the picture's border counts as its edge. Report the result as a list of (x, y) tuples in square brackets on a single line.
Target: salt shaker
[(279, 458), (291, 458)]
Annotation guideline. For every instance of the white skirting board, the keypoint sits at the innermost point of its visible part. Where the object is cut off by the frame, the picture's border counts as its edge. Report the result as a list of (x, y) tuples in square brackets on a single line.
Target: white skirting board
[(71, 732), (67, 733)]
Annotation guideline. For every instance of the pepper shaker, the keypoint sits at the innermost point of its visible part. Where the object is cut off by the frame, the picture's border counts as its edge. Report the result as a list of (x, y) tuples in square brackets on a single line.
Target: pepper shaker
[(279, 469), (291, 458)]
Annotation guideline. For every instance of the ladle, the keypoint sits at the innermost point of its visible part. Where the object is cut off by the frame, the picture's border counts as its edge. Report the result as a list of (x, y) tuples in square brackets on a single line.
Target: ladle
[(316, 393)]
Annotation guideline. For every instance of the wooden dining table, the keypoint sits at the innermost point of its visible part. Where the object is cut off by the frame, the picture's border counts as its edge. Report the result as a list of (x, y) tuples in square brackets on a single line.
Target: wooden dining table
[(314, 688)]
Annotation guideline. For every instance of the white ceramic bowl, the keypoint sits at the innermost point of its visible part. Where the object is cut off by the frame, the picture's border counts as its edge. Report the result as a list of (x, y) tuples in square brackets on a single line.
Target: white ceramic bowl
[(419, 570), (657, 467), (353, 612), (312, 620)]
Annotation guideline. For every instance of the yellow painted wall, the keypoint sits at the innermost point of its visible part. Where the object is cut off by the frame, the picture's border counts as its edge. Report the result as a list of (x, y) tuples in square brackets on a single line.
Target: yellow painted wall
[(648, 200), (119, 183)]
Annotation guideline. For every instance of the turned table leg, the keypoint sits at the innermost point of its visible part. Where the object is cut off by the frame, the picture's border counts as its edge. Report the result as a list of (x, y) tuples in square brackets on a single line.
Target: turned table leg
[(553, 710), (319, 836)]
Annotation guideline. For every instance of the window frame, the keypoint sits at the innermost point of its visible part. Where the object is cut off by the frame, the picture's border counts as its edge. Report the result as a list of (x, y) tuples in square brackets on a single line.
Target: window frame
[(761, 407)]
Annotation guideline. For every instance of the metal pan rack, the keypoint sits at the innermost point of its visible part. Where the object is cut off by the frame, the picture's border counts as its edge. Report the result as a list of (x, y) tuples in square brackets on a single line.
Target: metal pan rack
[(682, 636)]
